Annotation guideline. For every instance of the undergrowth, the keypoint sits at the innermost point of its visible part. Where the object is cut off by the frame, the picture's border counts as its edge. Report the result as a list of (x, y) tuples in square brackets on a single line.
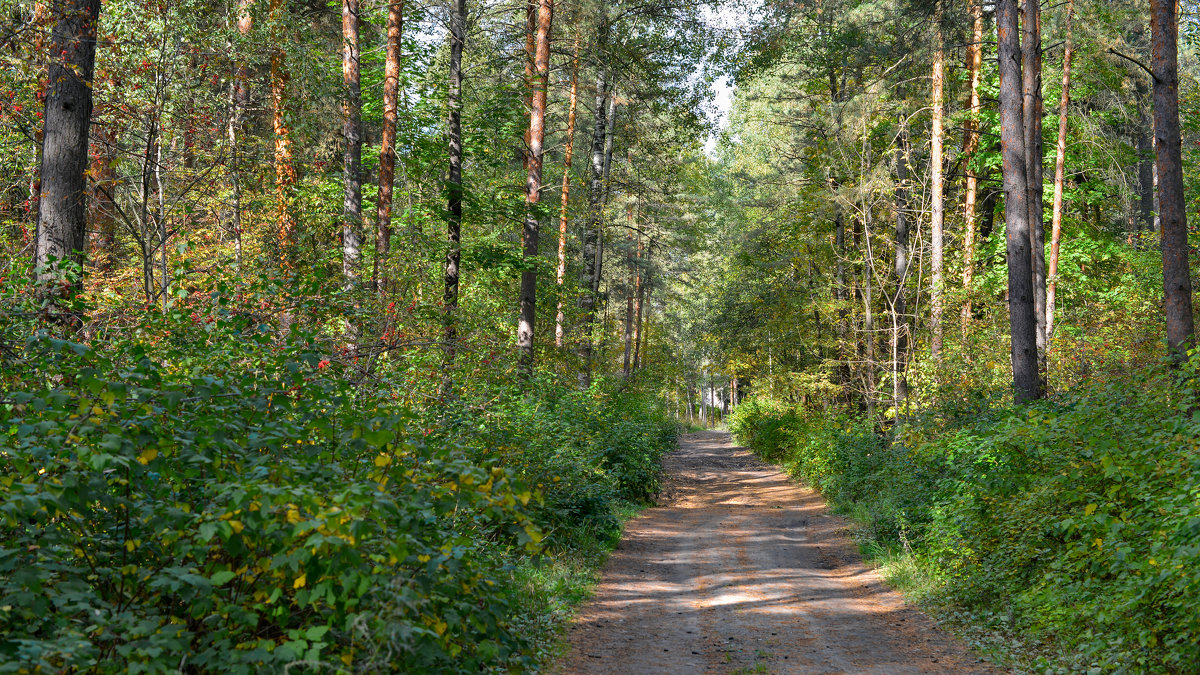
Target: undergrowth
[(209, 492), (1066, 533)]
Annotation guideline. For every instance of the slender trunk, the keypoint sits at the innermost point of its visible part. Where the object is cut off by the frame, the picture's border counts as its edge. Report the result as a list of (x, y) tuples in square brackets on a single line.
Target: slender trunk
[(900, 272), (387, 145), (533, 190), (101, 209), (937, 188), (352, 153), (629, 293), (561, 272), (239, 101), (285, 169), (62, 205), (454, 193), (1059, 176), (970, 148), (840, 295), (1033, 109), (1022, 319), (639, 328), (592, 235), (1177, 282)]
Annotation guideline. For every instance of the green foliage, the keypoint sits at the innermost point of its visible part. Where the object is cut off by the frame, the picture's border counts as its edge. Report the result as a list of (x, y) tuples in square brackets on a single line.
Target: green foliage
[(212, 490), (1073, 523)]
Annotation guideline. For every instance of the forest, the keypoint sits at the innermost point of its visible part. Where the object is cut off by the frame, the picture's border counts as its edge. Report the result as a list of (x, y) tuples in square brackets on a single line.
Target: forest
[(345, 336)]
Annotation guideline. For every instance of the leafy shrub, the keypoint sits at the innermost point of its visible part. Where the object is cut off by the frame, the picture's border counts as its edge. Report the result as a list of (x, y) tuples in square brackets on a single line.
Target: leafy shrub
[(1078, 518)]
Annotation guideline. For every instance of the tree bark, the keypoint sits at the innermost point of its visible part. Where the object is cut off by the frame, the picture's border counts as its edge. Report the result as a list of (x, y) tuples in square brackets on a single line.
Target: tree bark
[(1022, 319), (285, 169), (62, 205), (937, 188), (1033, 109), (239, 101), (387, 145), (591, 236), (352, 153), (561, 272), (900, 272), (102, 210), (454, 194), (533, 191), (639, 305), (1059, 176), (1177, 281), (970, 148)]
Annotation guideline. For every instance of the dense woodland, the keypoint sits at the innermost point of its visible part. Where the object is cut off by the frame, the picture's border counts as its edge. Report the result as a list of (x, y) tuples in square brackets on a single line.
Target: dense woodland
[(342, 336)]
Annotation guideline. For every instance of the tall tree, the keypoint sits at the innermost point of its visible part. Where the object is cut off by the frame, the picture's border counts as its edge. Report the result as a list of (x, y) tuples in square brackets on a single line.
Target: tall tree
[(936, 183), (533, 189), (1032, 107), (1060, 164), (1177, 281), (569, 155), (285, 167), (1022, 320), (454, 193), (387, 144), (62, 206), (970, 148), (352, 153), (900, 272), (239, 102), (590, 270)]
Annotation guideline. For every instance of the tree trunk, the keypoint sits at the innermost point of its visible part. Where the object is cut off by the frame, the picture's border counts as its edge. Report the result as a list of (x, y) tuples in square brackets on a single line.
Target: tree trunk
[(387, 145), (1022, 319), (533, 190), (101, 208), (937, 188), (841, 296), (629, 295), (239, 101), (454, 193), (1033, 109), (591, 236), (561, 272), (352, 153), (900, 272), (639, 328), (970, 148), (285, 169), (1059, 176), (62, 205), (1177, 281)]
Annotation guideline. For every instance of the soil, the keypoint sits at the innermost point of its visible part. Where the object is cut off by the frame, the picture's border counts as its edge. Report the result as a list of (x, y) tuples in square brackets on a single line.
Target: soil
[(741, 570)]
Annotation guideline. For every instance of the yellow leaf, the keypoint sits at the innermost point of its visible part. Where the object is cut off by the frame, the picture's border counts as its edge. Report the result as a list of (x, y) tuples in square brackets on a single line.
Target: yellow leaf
[(129, 545), (347, 659), (382, 460), (237, 526), (1089, 509), (148, 455), (300, 581), (440, 627), (1098, 542), (293, 516), (1153, 562)]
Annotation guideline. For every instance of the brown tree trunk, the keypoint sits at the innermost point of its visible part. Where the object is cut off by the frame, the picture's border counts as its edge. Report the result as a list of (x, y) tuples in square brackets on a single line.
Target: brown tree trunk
[(285, 168), (101, 208), (62, 205), (1022, 319), (1031, 80), (937, 188), (629, 293), (561, 271), (533, 191), (454, 193), (1060, 164), (352, 153), (970, 148), (387, 145), (639, 328), (1177, 281), (239, 101)]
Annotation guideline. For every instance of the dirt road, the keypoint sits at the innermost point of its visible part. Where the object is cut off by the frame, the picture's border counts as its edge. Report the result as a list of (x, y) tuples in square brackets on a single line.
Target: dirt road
[(741, 570)]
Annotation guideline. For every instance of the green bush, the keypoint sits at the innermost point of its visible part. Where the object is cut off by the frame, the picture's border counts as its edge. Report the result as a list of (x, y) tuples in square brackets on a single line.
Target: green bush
[(204, 495), (1077, 519)]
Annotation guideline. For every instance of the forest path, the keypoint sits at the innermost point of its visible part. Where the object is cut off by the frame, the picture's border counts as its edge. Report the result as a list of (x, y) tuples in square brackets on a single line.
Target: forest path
[(742, 570)]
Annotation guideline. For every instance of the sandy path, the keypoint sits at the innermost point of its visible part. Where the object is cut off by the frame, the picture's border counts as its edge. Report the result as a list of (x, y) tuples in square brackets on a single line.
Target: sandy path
[(744, 571)]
